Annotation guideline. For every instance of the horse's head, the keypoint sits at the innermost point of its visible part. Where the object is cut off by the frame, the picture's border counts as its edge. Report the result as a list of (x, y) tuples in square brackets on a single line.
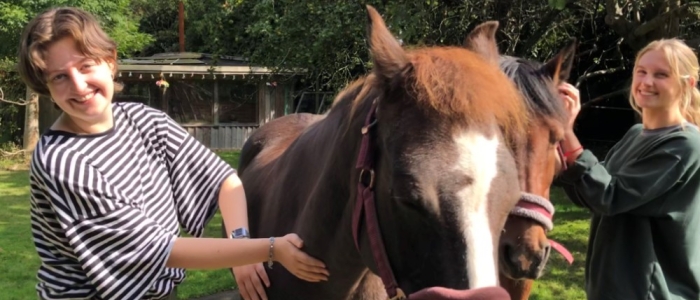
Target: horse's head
[(525, 248), (438, 120)]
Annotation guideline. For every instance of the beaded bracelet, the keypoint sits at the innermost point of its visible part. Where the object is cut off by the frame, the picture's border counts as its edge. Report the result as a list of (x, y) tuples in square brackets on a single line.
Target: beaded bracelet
[(272, 246)]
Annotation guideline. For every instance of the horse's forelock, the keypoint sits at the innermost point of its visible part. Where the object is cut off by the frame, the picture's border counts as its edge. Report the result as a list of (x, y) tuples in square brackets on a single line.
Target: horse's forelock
[(536, 88), (455, 83), (460, 85)]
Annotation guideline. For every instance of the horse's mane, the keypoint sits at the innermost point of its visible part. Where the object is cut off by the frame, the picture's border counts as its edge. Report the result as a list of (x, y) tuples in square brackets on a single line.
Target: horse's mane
[(452, 82), (535, 85)]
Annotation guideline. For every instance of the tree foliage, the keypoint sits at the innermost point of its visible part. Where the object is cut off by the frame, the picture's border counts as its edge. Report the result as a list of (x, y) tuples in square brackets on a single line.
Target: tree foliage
[(326, 39), (116, 16)]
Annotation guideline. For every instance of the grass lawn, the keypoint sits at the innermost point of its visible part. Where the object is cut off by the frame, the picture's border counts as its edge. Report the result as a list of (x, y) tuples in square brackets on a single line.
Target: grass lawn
[(18, 260), (561, 280), (202, 283)]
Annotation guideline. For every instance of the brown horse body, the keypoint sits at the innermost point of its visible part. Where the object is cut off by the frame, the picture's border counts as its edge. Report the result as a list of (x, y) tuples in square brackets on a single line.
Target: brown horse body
[(443, 176)]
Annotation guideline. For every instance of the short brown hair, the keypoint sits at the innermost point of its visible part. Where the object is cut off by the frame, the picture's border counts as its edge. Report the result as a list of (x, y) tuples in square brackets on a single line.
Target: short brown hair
[(53, 25)]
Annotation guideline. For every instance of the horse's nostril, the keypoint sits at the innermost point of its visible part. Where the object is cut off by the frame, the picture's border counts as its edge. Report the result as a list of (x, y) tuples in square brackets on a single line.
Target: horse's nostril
[(516, 259), (546, 250), (507, 255), (506, 250)]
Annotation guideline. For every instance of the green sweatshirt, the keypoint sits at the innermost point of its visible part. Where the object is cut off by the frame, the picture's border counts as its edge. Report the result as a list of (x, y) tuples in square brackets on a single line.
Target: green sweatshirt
[(644, 238)]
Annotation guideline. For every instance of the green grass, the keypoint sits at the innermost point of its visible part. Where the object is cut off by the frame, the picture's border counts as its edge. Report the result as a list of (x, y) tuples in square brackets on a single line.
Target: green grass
[(18, 259), (19, 262), (561, 280), (206, 282)]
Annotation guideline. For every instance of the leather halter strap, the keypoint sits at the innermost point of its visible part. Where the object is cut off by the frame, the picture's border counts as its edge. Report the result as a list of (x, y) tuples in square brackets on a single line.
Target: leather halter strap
[(365, 205)]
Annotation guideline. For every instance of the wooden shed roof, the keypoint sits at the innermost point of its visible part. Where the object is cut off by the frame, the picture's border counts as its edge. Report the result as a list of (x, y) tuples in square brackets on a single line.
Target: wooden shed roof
[(193, 63)]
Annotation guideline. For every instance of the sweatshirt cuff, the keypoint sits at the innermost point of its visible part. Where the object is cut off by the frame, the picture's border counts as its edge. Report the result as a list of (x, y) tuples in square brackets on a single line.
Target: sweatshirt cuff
[(574, 172)]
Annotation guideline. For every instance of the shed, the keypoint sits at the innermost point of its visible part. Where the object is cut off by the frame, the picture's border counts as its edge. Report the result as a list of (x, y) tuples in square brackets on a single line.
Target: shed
[(220, 100)]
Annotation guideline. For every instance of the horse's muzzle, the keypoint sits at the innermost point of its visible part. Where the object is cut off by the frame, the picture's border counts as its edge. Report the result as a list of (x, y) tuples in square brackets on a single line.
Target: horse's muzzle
[(441, 293)]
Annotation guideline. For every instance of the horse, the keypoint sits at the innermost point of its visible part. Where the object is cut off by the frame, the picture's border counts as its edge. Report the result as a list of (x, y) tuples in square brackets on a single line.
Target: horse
[(525, 247), (403, 187)]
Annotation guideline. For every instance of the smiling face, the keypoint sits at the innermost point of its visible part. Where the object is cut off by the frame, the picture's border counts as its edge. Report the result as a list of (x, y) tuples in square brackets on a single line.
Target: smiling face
[(654, 86), (64, 54), (81, 86)]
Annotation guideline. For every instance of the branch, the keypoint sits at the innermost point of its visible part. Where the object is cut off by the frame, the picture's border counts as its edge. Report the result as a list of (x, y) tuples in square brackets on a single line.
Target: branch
[(612, 8), (674, 24), (10, 154), (659, 20), (615, 19), (598, 73), (603, 97), (2, 99)]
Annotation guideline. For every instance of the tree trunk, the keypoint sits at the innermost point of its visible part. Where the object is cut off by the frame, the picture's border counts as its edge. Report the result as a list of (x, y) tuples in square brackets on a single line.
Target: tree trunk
[(31, 122)]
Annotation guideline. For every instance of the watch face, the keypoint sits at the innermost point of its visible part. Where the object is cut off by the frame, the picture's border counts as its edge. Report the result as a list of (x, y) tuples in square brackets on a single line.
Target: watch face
[(240, 233)]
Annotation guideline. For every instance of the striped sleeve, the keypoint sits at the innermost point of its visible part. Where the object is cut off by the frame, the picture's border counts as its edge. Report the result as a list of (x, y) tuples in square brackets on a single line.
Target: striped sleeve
[(196, 174), (121, 250)]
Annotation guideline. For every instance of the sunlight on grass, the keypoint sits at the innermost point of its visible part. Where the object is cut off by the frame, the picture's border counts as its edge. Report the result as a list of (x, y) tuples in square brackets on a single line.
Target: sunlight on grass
[(561, 280), (18, 259)]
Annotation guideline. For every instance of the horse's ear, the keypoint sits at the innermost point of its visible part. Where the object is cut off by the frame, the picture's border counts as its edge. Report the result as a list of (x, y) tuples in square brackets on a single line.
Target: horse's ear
[(482, 40), (388, 56), (559, 67)]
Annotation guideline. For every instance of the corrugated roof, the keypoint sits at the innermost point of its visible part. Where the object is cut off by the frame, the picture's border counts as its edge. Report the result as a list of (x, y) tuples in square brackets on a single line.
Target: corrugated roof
[(185, 58)]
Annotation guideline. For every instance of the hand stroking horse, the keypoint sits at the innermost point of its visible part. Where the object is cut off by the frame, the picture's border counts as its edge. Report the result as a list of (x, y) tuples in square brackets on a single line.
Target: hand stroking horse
[(404, 186)]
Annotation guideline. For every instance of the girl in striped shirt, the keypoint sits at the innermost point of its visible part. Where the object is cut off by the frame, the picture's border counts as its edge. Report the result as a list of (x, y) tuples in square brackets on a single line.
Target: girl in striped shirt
[(112, 183)]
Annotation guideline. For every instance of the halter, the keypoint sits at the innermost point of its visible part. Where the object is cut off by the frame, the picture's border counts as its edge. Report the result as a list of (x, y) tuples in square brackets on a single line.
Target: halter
[(541, 210), (365, 205)]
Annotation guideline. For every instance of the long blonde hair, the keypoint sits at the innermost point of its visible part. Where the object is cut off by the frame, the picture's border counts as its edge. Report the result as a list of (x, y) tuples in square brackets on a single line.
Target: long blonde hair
[(684, 65)]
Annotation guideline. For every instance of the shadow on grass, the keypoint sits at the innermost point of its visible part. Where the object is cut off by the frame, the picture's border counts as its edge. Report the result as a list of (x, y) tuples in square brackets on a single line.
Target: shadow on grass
[(13, 180)]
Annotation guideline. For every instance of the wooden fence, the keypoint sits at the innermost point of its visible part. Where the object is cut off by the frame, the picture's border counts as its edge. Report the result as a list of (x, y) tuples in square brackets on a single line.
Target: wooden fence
[(222, 136)]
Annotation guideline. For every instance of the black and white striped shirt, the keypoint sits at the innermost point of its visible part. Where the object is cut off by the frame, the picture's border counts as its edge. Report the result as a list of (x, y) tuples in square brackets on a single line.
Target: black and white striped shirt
[(106, 208)]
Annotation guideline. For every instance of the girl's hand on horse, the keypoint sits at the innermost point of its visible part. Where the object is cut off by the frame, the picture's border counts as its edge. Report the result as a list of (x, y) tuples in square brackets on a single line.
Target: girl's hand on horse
[(287, 251), (249, 282), (570, 95)]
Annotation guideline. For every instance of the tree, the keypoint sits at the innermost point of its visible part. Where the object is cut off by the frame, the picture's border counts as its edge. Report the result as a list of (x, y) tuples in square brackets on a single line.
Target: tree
[(31, 130), (639, 22)]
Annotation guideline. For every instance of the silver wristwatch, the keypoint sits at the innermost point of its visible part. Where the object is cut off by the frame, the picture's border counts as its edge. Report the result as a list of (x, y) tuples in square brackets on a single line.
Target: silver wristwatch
[(240, 233)]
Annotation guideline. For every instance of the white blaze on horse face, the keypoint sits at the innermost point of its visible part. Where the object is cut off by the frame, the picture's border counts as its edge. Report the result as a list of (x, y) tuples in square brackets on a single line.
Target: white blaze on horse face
[(478, 158)]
